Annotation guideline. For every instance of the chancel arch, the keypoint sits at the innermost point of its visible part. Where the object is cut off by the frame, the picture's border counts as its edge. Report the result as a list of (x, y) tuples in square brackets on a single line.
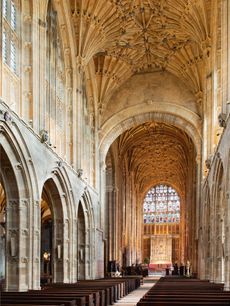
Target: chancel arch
[(118, 124), (169, 159)]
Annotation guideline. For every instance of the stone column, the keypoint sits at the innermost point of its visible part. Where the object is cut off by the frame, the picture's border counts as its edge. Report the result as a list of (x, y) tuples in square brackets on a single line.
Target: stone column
[(74, 252), (26, 52), (17, 245), (35, 238), (77, 114), (69, 117), (39, 65), (225, 58), (63, 249), (227, 245)]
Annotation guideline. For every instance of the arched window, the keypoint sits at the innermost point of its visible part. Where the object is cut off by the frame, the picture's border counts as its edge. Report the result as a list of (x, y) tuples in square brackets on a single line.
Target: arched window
[(55, 82), (10, 36), (161, 205)]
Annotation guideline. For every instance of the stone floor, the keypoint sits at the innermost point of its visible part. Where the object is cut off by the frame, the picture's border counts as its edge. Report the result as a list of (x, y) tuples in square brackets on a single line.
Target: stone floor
[(134, 297)]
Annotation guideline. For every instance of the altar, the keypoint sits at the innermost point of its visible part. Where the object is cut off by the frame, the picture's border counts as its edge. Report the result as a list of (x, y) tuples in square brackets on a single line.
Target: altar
[(160, 252)]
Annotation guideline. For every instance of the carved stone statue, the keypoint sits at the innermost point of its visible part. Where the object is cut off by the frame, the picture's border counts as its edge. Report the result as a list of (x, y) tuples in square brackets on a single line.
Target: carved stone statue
[(44, 136), (79, 172), (7, 116)]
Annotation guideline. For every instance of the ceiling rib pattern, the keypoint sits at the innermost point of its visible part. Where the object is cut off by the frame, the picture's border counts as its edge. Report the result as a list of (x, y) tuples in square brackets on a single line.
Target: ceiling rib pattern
[(157, 153), (139, 36)]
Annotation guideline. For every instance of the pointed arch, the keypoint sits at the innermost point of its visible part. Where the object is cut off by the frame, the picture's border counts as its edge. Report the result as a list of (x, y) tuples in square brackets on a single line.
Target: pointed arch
[(85, 237), (56, 189), (217, 216), (18, 178)]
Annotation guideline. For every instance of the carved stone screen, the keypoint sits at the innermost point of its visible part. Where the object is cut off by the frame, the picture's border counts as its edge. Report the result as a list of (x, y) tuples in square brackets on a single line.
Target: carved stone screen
[(161, 249)]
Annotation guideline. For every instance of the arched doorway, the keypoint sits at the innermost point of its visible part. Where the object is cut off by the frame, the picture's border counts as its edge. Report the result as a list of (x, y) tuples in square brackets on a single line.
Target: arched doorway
[(162, 230), (81, 243), (46, 240), (145, 156), (52, 268)]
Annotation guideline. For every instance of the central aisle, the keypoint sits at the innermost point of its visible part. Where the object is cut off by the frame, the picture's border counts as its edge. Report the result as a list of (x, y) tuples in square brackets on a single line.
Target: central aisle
[(134, 297)]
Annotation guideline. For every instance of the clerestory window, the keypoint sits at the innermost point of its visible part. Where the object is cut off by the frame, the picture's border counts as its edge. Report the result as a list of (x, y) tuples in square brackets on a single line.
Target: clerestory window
[(10, 37), (161, 205)]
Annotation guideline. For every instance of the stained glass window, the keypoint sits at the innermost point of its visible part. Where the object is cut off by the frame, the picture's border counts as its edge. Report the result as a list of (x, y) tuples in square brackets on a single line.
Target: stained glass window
[(161, 205)]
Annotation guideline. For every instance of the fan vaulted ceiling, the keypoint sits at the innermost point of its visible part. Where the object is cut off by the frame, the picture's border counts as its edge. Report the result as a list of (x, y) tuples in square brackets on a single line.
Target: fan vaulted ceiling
[(133, 36), (157, 153)]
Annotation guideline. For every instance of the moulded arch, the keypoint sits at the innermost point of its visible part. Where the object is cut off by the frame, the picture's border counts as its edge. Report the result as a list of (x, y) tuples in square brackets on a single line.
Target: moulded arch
[(54, 195), (218, 213), (60, 181), (217, 176), (85, 229), (59, 203), (86, 203), (21, 193), (136, 115)]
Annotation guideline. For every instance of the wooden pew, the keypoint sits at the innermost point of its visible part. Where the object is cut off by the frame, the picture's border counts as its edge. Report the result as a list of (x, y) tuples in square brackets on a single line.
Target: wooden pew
[(33, 304), (37, 301), (23, 297), (187, 303), (101, 292), (176, 291)]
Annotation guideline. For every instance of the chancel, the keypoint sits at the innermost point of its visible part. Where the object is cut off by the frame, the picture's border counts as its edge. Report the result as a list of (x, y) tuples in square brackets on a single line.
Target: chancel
[(114, 143)]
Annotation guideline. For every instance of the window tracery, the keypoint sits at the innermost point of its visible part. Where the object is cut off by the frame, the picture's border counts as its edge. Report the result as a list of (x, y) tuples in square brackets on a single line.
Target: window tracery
[(161, 205), (10, 37)]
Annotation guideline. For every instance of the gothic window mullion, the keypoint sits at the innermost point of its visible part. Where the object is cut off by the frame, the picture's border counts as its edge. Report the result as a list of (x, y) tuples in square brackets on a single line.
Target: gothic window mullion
[(156, 206), (4, 46), (10, 40)]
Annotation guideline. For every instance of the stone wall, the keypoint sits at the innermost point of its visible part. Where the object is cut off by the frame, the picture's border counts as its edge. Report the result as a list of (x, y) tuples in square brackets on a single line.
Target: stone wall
[(32, 163)]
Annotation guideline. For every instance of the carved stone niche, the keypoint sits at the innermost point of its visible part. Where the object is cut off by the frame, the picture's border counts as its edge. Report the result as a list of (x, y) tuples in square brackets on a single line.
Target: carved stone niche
[(222, 120), (208, 162)]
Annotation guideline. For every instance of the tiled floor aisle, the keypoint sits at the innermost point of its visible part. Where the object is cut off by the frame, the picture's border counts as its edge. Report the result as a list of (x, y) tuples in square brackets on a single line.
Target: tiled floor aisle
[(134, 297)]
